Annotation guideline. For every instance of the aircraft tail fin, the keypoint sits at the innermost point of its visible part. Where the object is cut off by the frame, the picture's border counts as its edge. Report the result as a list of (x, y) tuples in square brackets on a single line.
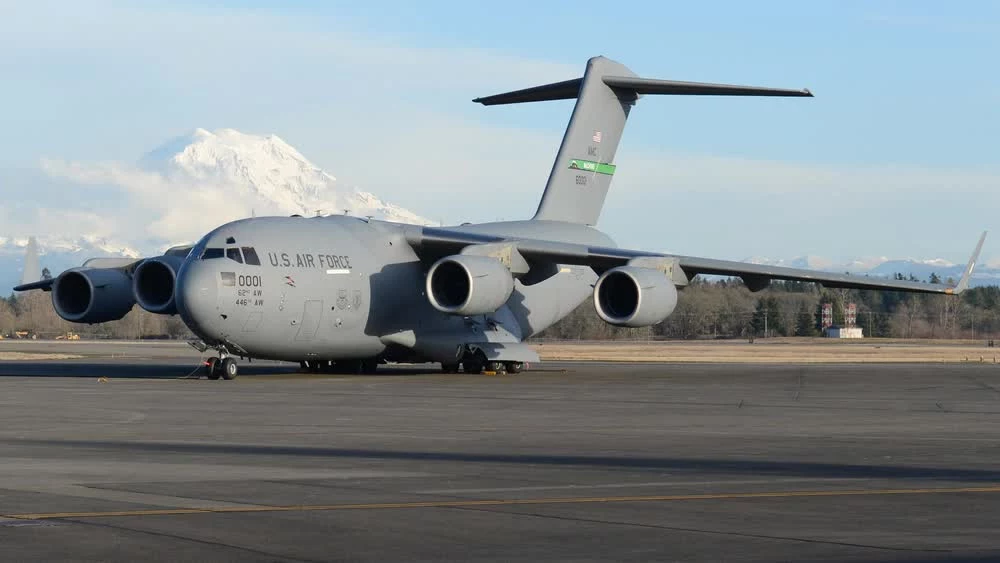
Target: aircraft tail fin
[(584, 165)]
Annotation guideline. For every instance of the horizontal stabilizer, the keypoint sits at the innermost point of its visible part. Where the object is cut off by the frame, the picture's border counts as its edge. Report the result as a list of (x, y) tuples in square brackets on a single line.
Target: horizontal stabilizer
[(570, 89), (566, 90), (584, 166), (679, 88)]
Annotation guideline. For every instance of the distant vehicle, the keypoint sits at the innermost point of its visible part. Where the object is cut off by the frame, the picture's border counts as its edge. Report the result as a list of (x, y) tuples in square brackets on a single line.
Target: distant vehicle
[(345, 293), (68, 336)]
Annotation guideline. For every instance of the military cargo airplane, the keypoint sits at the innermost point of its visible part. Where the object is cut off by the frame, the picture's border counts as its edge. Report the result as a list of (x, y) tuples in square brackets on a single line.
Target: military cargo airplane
[(346, 293)]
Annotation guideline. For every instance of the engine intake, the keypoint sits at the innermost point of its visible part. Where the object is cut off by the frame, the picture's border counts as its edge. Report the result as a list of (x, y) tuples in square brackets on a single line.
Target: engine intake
[(468, 285), (92, 295), (153, 284), (634, 297)]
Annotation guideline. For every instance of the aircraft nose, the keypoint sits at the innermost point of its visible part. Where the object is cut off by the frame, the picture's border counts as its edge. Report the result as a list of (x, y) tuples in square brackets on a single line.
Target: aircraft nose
[(196, 295)]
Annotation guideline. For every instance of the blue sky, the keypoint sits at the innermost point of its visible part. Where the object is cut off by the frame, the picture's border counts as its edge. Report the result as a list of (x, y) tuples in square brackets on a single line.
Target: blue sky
[(896, 155)]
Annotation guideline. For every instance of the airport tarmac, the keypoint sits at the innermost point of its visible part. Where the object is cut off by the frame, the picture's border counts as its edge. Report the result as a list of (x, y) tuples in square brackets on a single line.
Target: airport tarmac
[(572, 461)]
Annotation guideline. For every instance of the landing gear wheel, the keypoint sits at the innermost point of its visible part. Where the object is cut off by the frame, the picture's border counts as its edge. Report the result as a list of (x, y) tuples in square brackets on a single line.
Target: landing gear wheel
[(212, 368), (514, 367), (448, 367), (229, 369), (495, 367), (473, 365), (348, 367), (369, 366)]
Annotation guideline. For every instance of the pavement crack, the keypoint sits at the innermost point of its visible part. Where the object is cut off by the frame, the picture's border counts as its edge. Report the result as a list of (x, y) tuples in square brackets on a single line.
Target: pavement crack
[(703, 531), (193, 540), (984, 385)]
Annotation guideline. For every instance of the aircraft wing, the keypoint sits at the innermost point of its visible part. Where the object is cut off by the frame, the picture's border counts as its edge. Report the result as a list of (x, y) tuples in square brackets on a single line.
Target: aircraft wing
[(44, 285), (120, 263), (433, 243)]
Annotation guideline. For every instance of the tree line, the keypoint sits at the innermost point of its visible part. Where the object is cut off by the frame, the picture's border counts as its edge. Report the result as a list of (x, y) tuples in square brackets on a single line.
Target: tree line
[(706, 309), (30, 314), (726, 308)]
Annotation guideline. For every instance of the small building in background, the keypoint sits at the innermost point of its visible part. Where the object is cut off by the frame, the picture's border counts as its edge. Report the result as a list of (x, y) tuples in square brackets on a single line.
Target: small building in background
[(850, 328), (844, 332)]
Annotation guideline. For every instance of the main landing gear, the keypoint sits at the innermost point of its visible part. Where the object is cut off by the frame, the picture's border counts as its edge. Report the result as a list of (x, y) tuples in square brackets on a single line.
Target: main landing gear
[(224, 367), (366, 366), (477, 363)]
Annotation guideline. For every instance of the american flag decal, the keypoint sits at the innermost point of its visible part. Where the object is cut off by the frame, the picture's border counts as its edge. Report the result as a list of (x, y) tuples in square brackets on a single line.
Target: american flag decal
[(597, 136)]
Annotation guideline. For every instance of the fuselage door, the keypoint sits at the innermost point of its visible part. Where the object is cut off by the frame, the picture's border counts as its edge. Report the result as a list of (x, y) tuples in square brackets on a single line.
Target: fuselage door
[(312, 312)]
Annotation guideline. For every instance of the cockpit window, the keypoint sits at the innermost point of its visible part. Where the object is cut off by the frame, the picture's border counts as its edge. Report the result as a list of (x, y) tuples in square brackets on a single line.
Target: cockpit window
[(250, 255), (234, 254), (211, 253)]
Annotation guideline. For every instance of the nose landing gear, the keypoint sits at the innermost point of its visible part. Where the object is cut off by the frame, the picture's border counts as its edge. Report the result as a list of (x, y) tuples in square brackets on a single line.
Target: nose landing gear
[(221, 366), (224, 367)]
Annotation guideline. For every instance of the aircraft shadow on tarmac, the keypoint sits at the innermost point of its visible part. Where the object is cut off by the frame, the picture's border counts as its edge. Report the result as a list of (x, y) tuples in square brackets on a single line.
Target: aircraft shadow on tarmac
[(193, 370), (692, 465)]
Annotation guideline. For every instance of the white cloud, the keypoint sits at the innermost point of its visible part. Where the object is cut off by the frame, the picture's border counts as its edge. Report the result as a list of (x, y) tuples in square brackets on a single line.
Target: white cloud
[(393, 118), (155, 209)]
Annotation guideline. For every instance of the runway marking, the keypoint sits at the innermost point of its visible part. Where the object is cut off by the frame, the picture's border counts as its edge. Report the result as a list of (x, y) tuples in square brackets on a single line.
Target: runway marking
[(635, 485), (497, 502)]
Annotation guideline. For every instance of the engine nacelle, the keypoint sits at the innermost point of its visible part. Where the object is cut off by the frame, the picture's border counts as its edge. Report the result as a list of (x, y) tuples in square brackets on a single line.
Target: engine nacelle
[(153, 284), (468, 285), (92, 295), (632, 296)]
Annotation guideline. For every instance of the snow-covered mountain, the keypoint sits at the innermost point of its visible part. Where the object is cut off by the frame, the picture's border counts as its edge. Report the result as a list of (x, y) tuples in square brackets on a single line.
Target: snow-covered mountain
[(810, 262), (265, 172), (193, 183), (168, 191), (922, 269)]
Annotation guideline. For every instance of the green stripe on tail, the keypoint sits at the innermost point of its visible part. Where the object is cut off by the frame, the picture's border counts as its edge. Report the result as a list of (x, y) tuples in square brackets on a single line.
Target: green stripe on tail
[(591, 166)]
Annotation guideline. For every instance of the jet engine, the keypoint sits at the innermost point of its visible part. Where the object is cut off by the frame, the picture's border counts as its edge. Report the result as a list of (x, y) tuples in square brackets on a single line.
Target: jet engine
[(632, 296), (468, 285), (153, 284), (92, 295)]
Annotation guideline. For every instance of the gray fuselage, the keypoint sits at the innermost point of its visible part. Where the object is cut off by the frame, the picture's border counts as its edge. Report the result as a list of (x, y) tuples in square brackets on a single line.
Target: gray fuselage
[(340, 287)]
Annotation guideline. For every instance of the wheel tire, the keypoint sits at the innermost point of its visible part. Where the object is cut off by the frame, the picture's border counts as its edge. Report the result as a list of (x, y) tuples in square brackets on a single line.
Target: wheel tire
[(514, 367), (472, 366), (447, 367), (348, 367), (495, 367), (212, 368), (229, 369), (369, 366)]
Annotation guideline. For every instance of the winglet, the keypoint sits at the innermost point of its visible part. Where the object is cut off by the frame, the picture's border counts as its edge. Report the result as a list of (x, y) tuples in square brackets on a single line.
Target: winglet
[(963, 283)]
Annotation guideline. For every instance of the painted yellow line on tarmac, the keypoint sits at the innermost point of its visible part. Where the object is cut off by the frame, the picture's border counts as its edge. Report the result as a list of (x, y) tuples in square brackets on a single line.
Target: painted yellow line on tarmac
[(498, 502)]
